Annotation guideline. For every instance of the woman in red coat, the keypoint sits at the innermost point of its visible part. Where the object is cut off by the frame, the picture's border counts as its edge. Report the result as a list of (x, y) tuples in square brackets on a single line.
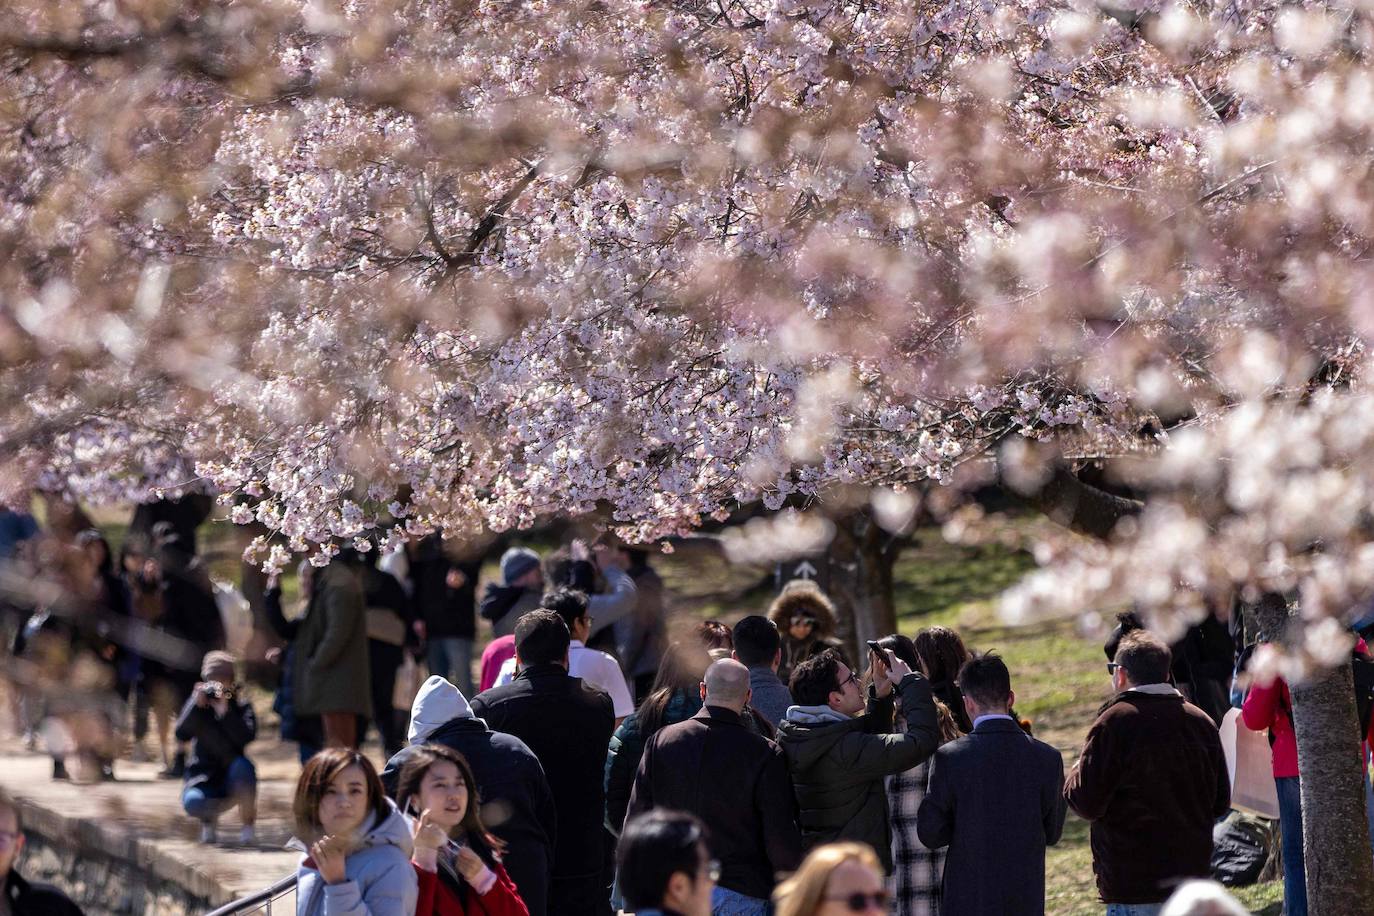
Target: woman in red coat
[(458, 862)]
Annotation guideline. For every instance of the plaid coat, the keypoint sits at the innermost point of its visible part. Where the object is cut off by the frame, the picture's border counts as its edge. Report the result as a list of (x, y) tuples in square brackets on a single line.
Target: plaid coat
[(916, 871)]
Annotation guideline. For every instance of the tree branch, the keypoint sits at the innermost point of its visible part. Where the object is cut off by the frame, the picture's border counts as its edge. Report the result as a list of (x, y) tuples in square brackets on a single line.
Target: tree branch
[(1079, 506)]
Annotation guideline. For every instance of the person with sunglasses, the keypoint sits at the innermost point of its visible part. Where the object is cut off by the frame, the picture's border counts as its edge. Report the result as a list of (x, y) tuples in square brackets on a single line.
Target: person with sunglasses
[(17, 896), (837, 879), (840, 748), (665, 866), (1151, 780)]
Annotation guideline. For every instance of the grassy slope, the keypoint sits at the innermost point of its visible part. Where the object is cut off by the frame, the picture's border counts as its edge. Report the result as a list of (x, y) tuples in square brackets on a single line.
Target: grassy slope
[(1059, 677), (1058, 674)]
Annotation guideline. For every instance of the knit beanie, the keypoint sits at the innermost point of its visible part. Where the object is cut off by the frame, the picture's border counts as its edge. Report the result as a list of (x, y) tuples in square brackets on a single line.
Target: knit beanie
[(516, 562)]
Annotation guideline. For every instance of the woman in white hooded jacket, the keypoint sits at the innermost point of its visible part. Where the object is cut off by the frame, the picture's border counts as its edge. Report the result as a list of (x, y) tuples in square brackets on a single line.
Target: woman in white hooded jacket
[(357, 844)]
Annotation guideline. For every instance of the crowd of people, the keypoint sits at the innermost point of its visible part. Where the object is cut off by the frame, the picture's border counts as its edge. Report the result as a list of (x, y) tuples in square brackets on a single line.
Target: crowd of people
[(605, 761)]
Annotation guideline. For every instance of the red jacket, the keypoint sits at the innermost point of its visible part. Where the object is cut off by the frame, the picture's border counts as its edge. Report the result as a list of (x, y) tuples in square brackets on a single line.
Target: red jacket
[(438, 899), (1267, 707), (1271, 708)]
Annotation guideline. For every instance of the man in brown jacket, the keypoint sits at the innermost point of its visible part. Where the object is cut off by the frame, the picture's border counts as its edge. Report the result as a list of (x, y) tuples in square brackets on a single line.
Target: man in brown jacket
[(1152, 780)]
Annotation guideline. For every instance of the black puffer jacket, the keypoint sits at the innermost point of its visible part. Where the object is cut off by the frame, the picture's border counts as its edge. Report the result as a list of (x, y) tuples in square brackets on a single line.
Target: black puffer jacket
[(838, 764)]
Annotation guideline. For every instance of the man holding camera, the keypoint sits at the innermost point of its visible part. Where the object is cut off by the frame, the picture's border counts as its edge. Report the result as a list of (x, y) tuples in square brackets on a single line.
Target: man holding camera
[(219, 724)]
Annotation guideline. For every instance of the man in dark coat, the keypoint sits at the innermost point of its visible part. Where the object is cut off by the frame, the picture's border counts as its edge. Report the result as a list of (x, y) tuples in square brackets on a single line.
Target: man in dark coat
[(995, 796), (568, 725), (839, 755), (734, 780), (1152, 780), (19, 897), (517, 805)]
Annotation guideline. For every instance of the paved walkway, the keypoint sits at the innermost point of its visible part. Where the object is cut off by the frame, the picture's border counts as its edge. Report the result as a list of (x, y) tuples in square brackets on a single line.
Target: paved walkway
[(139, 817)]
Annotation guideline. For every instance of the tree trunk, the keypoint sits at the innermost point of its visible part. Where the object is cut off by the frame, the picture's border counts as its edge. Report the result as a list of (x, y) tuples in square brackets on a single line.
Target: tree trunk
[(1335, 835), (861, 556)]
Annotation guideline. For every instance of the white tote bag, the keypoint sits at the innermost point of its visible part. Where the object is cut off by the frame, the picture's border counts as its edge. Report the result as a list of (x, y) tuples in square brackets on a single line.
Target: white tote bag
[(1250, 765)]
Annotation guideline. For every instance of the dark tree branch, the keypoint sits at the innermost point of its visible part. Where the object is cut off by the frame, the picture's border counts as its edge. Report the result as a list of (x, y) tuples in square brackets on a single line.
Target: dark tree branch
[(1079, 506)]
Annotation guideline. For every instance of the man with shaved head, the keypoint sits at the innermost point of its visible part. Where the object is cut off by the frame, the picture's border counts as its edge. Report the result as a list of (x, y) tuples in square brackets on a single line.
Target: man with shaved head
[(736, 782)]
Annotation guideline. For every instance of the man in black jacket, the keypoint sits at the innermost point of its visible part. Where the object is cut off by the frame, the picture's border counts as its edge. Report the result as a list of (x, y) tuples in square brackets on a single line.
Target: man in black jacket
[(445, 599), (568, 725), (839, 754), (995, 795), (735, 781), (517, 805), (17, 896)]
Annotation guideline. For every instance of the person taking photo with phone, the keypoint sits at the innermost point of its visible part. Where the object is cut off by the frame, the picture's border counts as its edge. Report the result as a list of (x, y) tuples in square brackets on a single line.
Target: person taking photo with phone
[(839, 746)]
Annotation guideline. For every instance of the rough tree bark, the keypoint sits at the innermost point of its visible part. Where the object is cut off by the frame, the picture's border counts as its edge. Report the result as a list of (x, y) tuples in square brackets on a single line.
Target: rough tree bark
[(1335, 840), (861, 556)]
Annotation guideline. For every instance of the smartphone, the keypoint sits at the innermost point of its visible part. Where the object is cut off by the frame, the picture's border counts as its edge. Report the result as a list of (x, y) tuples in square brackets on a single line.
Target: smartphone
[(874, 647)]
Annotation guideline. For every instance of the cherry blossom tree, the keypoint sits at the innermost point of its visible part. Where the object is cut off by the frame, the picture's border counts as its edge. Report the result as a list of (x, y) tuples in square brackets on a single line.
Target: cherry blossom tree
[(399, 264)]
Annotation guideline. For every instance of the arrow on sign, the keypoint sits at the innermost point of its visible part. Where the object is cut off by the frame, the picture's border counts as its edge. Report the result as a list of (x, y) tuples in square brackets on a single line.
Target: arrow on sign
[(804, 570)]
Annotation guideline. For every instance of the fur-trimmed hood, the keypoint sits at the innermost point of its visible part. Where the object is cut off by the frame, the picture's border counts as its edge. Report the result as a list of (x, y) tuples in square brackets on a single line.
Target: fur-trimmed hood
[(802, 596)]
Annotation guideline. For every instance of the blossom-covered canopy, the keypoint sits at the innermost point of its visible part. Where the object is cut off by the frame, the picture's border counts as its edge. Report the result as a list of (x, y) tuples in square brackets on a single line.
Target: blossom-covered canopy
[(468, 262)]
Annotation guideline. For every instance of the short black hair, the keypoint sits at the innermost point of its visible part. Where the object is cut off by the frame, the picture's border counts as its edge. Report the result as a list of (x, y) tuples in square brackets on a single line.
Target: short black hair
[(1125, 623), (757, 640), (1145, 657), (653, 847), (541, 637), (568, 603), (986, 679), (814, 679)]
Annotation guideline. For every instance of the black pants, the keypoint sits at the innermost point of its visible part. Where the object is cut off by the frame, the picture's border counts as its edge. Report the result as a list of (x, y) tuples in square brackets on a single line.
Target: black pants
[(384, 658)]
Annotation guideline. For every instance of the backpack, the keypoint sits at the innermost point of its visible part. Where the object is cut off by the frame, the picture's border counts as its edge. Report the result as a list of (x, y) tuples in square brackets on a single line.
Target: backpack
[(1241, 847)]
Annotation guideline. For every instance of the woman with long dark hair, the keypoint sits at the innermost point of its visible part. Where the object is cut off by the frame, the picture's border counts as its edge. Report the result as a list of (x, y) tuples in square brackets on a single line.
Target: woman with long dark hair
[(457, 861), (917, 881), (674, 697)]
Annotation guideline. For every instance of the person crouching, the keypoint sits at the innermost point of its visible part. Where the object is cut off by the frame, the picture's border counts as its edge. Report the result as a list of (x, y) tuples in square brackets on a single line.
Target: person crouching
[(220, 724)]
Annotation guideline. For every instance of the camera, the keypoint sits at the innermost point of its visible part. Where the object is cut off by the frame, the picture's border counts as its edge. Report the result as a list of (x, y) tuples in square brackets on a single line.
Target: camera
[(217, 691)]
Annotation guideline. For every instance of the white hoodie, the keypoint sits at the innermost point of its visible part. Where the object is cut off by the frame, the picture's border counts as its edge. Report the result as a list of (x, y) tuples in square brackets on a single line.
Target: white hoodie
[(436, 703)]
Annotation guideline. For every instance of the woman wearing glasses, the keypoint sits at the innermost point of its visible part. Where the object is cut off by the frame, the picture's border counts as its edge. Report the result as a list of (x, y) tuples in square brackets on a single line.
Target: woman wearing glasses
[(837, 879)]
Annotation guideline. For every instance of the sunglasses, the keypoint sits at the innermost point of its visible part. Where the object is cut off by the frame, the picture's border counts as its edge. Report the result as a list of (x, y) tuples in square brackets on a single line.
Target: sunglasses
[(859, 902), (1111, 669)]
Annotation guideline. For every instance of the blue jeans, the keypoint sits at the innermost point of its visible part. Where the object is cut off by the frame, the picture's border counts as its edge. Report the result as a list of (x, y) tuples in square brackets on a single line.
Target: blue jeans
[(733, 903), (208, 800), (451, 657), (1134, 909), (1290, 831)]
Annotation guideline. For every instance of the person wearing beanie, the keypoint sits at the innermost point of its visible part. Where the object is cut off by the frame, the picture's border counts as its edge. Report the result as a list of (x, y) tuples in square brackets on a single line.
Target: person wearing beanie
[(515, 793), (520, 589), (219, 722)]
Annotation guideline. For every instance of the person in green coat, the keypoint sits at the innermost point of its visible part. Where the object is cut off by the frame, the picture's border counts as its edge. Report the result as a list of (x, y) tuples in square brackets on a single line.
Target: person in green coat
[(332, 678)]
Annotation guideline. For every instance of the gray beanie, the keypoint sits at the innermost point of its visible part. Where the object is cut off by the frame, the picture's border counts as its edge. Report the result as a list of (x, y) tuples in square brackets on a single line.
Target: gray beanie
[(516, 562)]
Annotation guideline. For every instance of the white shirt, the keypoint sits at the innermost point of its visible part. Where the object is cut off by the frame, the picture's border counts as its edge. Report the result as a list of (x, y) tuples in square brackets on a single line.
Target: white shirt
[(593, 666)]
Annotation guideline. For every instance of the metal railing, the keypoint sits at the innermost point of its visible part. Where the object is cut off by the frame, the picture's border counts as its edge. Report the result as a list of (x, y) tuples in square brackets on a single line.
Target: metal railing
[(258, 900)]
